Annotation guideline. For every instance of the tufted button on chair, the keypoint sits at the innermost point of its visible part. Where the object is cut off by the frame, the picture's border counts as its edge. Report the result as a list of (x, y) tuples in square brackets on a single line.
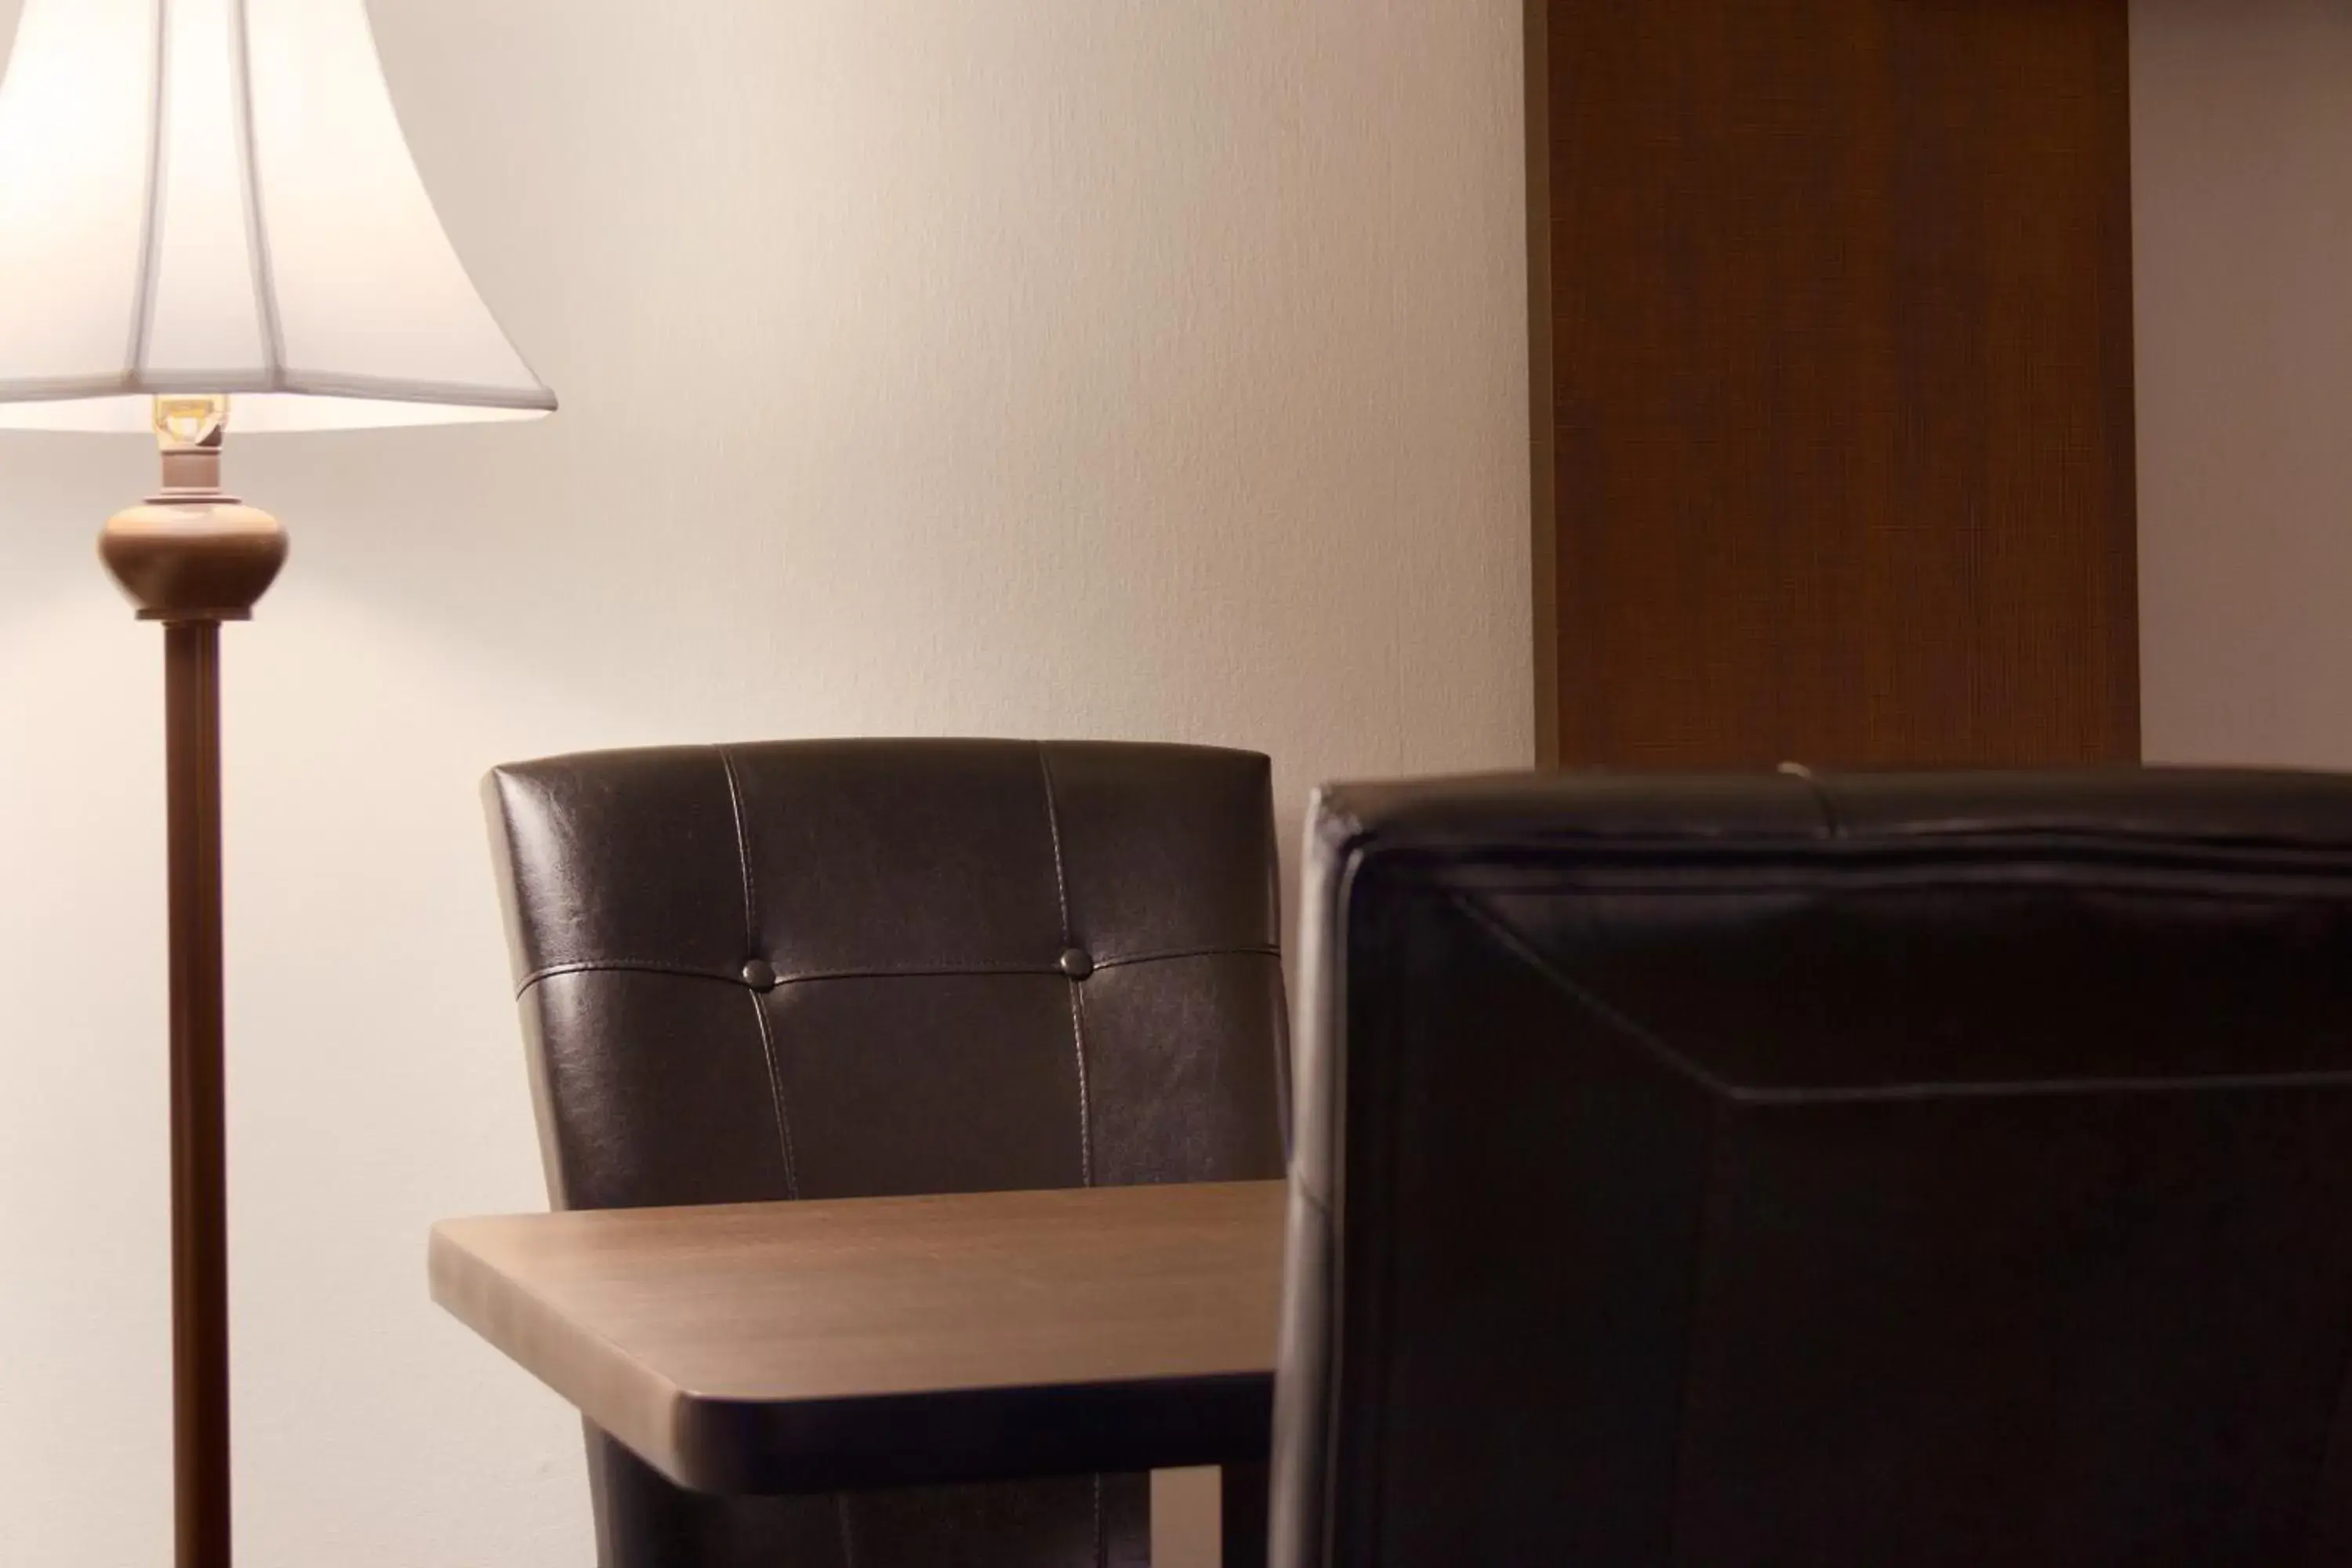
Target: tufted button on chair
[(853, 968)]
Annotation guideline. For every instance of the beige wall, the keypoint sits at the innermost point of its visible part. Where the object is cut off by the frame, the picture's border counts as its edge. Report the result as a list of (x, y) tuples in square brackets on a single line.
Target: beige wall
[(1074, 367), (2241, 154)]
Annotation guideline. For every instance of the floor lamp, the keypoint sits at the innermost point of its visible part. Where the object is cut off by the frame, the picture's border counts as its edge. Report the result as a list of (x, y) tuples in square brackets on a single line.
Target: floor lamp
[(208, 217)]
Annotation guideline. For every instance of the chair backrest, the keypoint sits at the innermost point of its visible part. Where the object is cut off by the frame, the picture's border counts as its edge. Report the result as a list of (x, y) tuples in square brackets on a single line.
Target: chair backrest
[(851, 968), (1923, 1169)]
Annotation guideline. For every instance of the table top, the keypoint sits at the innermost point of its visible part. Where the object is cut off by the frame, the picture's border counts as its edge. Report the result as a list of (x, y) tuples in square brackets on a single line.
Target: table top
[(875, 1341)]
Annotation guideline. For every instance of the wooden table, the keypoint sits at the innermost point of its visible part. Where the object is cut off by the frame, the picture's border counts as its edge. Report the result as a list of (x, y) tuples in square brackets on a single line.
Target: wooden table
[(763, 1348)]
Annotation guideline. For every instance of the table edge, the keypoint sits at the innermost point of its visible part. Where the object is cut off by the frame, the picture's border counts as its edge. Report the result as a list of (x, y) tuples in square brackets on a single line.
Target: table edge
[(720, 1444), (619, 1394)]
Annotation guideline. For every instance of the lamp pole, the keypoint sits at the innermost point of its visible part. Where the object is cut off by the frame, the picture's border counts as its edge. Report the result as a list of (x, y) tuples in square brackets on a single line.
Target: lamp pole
[(192, 557), (201, 199)]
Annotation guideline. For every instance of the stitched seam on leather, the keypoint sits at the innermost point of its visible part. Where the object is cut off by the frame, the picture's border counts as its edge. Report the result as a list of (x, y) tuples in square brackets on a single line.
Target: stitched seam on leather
[(693, 972), (1085, 1094), (1069, 939), (1252, 951), (776, 1096), (848, 1545), (917, 971), (1100, 1558), (880, 972), (642, 965), (1827, 877), (742, 853), (1054, 827), (1872, 862), (1872, 1094), (750, 949)]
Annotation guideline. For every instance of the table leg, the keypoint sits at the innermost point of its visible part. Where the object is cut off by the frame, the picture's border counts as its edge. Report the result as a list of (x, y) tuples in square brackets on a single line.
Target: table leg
[(1242, 1510)]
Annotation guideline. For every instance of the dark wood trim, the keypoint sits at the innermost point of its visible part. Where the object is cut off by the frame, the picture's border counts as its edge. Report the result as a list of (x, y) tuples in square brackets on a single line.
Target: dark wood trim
[(1839, 309), (1544, 539)]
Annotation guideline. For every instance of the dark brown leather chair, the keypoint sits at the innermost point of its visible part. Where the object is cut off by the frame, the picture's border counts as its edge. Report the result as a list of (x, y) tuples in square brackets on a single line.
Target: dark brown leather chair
[(1900, 1170), (834, 969)]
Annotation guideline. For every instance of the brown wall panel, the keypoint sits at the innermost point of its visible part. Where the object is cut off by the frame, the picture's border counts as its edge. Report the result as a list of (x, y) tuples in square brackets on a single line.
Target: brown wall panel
[(1840, 380)]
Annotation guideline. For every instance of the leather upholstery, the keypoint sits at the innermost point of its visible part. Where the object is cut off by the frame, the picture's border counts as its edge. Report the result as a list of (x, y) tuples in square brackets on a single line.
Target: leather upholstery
[(851, 968), (1925, 1170)]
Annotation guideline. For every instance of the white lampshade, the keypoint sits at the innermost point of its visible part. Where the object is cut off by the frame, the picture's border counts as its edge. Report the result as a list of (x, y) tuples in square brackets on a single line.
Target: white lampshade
[(214, 196)]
